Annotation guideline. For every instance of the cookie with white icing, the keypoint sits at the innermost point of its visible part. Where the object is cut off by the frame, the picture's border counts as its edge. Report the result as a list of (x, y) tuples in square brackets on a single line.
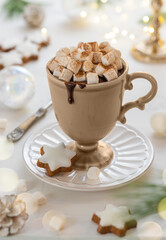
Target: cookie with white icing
[(39, 39), (10, 58), (28, 50), (7, 45), (56, 159), (115, 220)]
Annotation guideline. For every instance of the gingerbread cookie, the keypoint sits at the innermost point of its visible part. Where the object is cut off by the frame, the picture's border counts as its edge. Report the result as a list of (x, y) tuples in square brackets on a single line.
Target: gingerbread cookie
[(42, 40), (10, 58), (9, 44), (56, 159), (28, 50), (115, 220)]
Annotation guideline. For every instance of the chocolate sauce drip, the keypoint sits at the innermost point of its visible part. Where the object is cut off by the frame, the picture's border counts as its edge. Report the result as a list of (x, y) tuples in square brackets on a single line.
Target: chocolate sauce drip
[(70, 88), (82, 85)]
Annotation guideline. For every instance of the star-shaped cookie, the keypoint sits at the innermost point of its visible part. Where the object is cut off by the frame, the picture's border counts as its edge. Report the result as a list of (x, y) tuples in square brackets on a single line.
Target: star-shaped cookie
[(56, 159), (114, 219)]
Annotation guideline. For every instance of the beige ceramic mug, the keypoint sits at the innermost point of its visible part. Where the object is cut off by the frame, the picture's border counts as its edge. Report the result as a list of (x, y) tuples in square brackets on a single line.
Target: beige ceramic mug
[(94, 112)]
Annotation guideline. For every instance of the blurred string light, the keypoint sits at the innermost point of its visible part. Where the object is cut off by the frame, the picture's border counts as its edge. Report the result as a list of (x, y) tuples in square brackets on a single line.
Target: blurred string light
[(145, 19), (83, 14)]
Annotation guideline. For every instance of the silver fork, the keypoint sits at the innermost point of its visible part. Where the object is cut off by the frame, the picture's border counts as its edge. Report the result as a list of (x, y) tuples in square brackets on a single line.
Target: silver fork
[(18, 132)]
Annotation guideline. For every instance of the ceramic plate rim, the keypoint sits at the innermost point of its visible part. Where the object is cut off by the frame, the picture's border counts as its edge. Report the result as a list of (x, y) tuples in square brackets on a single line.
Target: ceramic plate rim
[(90, 188)]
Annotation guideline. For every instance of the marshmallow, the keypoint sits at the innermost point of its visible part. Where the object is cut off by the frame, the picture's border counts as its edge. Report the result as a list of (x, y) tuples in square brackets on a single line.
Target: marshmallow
[(117, 53), (92, 78), (93, 173), (72, 49), (100, 69), (85, 46), (87, 66), (79, 77), (63, 60), (40, 198), (52, 65), (30, 202), (118, 63), (110, 74), (105, 47), (58, 70), (94, 45), (3, 123), (62, 52), (82, 56), (22, 186), (108, 59), (57, 223), (97, 57), (66, 75), (74, 65), (114, 67)]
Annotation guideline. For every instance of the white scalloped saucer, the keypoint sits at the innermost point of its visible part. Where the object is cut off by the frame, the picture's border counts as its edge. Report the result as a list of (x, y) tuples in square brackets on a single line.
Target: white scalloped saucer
[(133, 155)]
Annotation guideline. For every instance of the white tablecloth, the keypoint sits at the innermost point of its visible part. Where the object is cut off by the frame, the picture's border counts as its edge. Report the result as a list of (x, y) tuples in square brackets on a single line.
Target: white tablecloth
[(79, 206)]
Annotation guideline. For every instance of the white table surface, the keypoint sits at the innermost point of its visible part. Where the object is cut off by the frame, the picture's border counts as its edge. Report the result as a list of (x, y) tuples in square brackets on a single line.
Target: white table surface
[(79, 206)]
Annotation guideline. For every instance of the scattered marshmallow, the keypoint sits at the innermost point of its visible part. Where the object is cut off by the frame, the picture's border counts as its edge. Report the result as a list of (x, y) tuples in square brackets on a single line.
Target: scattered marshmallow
[(66, 75), (30, 201), (110, 74), (22, 186), (93, 173), (108, 58), (94, 45), (100, 69), (74, 65), (62, 52), (79, 77), (87, 66), (97, 57), (105, 47), (92, 78), (3, 123), (118, 63), (85, 46), (40, 197), (158, 122), (58, 70), (52, 220), (63, 60), (57, 223), (52, 65)]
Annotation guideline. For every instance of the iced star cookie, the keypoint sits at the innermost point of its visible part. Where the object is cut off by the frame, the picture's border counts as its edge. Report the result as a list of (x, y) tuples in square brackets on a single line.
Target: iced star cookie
[(9, 44), (28, 50), (39, 39), (56, 159), (115, 220), (10, 58)]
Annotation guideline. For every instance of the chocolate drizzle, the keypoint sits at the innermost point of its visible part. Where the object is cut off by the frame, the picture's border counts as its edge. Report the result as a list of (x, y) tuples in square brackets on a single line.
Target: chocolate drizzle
[(82, 85), (70, 88)]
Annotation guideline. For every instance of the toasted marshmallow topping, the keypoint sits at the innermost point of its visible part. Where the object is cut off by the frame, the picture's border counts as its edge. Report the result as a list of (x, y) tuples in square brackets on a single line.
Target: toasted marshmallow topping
[(80, 77), (66, 75), (87, 62), (110, 74), (87, 66), (92, 78)]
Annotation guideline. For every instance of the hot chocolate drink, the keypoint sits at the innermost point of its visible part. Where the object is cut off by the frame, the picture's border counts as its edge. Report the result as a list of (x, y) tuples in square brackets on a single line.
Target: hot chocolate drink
[(87, 85), (88, 63)]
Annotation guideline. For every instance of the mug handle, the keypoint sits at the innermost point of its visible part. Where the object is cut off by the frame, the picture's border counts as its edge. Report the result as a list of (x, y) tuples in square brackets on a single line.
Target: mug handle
[(140, 102)]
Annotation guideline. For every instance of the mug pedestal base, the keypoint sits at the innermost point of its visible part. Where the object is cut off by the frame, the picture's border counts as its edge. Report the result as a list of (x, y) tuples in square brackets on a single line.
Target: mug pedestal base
[(100, 157)]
